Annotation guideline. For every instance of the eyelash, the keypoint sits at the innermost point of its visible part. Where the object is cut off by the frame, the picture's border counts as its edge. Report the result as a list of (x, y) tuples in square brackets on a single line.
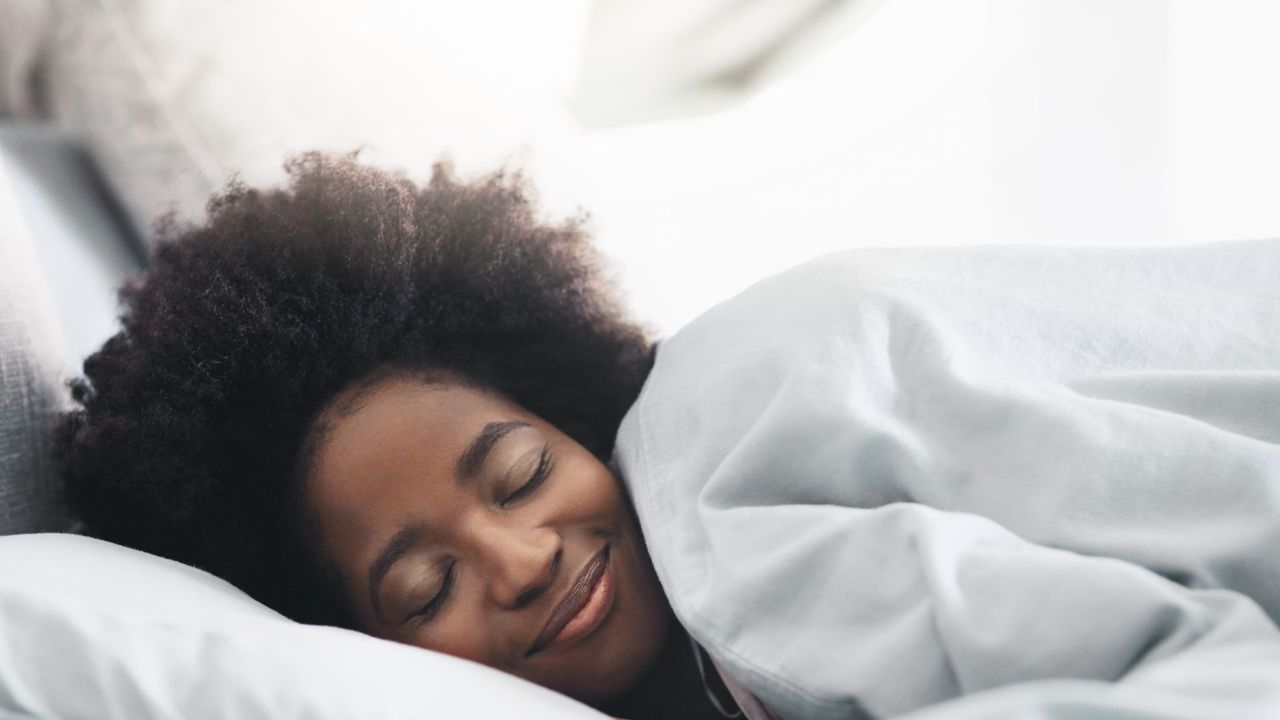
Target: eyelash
[(540, 474)]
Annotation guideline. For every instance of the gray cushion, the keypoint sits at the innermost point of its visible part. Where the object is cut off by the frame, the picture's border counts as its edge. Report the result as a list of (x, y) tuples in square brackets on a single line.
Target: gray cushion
[(31, 362), (84, 243)]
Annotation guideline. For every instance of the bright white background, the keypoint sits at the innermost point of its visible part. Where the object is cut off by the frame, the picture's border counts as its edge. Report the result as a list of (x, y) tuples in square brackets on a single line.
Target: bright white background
[(937, 123), (712, 141)]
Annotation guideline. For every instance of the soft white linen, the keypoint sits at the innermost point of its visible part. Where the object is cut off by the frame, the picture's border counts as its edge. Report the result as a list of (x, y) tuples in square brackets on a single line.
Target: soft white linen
[(892, 477), (664, 59), (95, 630)]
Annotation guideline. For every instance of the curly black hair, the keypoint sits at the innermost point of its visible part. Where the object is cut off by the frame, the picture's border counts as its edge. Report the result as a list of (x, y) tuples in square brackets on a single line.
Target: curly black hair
[(189, 434)]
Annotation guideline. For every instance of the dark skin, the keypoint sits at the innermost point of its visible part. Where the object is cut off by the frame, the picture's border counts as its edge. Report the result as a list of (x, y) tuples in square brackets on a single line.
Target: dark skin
[(487, 548), (672, 689)]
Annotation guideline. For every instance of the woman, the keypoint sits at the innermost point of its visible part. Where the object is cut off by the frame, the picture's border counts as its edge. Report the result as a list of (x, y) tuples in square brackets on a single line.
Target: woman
[(388, 408), (882, 480)]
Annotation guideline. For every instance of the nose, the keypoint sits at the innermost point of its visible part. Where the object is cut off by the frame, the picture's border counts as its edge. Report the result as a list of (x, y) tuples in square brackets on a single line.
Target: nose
[(523, 563)]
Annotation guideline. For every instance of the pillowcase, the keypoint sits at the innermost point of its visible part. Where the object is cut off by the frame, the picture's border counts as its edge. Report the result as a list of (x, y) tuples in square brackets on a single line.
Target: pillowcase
[(93, 629)]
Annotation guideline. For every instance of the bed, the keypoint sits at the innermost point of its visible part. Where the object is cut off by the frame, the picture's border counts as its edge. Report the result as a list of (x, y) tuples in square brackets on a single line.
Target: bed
[(942, 135)]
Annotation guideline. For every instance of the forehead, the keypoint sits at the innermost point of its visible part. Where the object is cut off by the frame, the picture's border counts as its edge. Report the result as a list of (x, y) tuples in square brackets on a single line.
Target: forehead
[(401, 431)]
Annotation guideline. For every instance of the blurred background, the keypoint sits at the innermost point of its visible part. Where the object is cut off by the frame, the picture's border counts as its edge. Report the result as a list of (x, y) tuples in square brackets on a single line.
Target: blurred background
[(712, 142)]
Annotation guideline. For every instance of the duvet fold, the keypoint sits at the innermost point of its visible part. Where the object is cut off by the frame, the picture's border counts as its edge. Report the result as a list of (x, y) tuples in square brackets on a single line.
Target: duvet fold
[(896, 477)]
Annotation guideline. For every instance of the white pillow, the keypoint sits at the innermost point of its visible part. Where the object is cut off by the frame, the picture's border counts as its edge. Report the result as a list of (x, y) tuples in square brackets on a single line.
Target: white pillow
[(89, 629)]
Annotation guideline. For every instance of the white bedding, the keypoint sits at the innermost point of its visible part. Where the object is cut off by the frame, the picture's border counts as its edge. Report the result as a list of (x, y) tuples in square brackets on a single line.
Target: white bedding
[(98, 631), (890, 478)]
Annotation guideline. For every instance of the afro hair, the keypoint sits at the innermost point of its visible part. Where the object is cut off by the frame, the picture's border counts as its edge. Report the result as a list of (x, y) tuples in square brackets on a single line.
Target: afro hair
[(188, 434)]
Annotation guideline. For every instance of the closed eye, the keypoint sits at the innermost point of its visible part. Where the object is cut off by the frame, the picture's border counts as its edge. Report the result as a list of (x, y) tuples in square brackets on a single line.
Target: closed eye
[(540, 473), (428, 611)]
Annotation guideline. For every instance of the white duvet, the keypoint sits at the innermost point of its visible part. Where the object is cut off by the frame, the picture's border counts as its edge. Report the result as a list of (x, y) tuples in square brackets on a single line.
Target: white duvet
[(890, 478)]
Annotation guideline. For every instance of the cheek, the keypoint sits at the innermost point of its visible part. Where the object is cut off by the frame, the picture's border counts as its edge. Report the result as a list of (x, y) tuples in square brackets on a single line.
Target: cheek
[(592, 488), (463, 633)]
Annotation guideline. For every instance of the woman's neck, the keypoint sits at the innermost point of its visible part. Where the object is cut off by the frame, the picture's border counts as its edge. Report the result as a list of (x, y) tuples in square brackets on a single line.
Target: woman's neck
[(672, 688)]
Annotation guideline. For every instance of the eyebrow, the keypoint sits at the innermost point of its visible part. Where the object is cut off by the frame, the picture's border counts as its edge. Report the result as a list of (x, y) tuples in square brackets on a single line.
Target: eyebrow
[(471, 460), (474, 456)]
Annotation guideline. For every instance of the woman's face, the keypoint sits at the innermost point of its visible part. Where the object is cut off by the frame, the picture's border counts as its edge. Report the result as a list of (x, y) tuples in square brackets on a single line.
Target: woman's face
[(460, 523)]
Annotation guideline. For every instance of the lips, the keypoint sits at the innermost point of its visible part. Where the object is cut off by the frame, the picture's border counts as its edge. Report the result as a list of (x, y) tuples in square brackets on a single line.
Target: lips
[(580, 592)]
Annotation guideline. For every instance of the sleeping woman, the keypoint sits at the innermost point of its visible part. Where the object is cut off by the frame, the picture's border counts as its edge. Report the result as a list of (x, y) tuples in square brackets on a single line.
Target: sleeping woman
[(873, 483)]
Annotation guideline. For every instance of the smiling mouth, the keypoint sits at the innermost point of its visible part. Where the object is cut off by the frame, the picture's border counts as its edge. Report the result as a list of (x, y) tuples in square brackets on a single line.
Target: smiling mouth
[(583, 608)]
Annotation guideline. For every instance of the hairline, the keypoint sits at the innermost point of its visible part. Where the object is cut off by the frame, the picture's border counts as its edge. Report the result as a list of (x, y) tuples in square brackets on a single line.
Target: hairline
[(344, 403)]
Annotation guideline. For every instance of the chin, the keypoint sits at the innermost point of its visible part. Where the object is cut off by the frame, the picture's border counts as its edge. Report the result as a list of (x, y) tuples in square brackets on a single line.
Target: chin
[(615, 685)]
